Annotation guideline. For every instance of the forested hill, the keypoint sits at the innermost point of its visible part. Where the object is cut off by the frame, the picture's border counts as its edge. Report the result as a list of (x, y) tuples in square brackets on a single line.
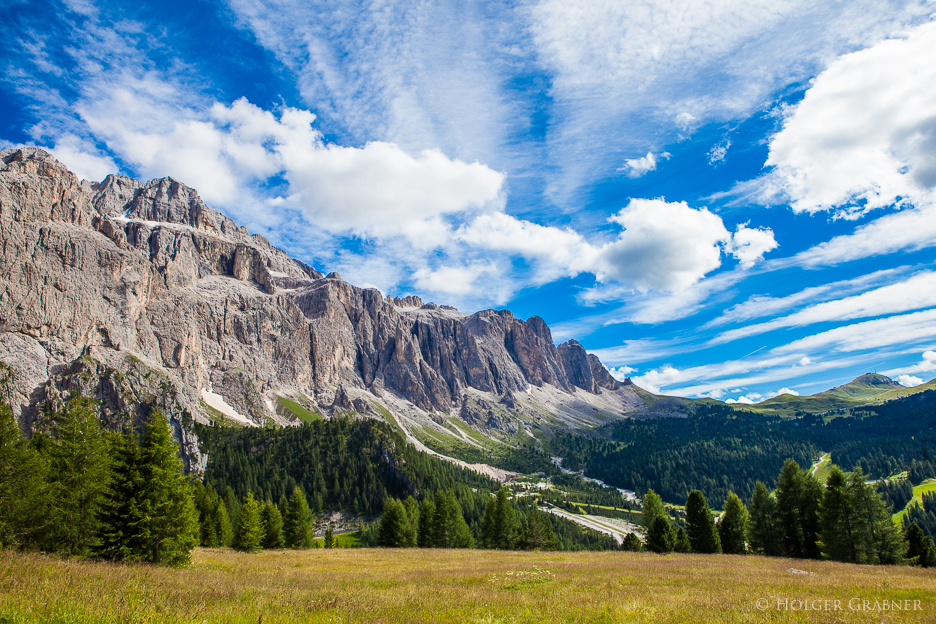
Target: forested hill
[(355, 465), (720, 450), (340, 464)]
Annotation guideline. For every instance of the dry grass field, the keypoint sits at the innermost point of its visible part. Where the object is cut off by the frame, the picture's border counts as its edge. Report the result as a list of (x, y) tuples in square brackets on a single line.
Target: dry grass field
[(360, 585)]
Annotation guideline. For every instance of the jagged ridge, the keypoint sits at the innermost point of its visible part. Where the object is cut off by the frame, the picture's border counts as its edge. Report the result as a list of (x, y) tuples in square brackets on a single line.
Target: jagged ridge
[(129, 274)]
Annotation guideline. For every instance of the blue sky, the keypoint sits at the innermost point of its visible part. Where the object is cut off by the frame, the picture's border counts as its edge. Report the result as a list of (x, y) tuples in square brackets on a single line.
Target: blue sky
[(725, 199)]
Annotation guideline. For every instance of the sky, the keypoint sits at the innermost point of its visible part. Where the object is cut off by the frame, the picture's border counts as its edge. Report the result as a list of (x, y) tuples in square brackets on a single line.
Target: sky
[(729, 199)]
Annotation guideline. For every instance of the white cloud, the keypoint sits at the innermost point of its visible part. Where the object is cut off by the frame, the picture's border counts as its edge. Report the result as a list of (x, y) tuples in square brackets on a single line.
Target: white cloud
[(660, 68), (750, 244), (909, 381), (84, 159), (864, 135), (381, 190), (637, 167), (750, 399), (654, 380), (804, 361), (783, 390), (905, 231), (914, 293), (664, 246), (621, 372), (717, 154), (453, 280), (759, 306), (868, 335)]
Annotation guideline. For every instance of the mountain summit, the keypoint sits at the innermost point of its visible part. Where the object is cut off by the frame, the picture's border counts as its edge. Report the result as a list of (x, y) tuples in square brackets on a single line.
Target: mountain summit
[(139, 294)]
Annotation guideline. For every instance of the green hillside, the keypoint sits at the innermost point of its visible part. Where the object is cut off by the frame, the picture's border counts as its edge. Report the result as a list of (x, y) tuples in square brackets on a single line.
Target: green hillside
[(870, 388)]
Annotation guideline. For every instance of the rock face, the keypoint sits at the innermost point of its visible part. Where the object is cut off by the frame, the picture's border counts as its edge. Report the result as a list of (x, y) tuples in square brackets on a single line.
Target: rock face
[(128, 277)]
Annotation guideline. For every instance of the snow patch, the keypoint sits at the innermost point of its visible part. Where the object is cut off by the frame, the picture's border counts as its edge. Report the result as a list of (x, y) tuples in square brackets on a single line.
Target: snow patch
[(217, 402)]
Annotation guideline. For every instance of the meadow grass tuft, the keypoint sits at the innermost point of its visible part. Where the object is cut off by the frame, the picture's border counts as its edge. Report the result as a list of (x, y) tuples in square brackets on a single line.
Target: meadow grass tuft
[(384, 585)]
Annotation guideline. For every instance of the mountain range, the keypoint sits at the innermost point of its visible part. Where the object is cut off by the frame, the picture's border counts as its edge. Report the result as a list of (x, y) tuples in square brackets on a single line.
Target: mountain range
[(141, 296)]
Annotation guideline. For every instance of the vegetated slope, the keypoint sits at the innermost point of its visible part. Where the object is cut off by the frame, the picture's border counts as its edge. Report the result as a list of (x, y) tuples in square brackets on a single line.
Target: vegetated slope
[(353, 465), (721, 449), (870, 388), (138, 293)]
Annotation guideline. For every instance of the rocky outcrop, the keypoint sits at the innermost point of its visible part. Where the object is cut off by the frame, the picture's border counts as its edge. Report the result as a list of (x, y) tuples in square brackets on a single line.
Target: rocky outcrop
[(146, 270)]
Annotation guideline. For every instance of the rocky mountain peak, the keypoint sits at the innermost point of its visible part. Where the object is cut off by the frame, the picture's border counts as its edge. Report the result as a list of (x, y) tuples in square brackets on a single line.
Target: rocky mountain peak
[(149, 283)]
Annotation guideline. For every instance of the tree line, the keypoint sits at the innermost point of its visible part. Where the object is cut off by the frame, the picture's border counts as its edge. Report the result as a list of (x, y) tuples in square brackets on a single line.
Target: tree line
[(719, 449), (842, 520), (78, 490)]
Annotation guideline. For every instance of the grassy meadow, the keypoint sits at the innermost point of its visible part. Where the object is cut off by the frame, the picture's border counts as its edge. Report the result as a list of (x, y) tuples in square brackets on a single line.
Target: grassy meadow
[(393, 586)]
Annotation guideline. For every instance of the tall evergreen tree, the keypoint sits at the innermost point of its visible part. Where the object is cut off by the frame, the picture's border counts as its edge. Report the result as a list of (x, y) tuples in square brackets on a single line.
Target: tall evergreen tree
[(248, 536), (877, 538), (700, 525), (329, 540), (222, 524), (499, 530), (77, 475), (798, 498), (681, 544), (24, 496), (920, 549), (394, 523), (148, 513), (661, 538), (651, 507), (426, 516), (272, 526), (838, 521), (297, 526), (733, 526), (764, 532), (411, 505), (449, 529), (539, 534)]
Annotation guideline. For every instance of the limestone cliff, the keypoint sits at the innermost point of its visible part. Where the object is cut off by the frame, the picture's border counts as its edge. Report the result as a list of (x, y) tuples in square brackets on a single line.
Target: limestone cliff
[(140, 294)]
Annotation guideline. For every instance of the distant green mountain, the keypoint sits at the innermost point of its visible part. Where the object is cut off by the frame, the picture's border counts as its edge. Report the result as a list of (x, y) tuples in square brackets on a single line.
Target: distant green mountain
[(870, 388)]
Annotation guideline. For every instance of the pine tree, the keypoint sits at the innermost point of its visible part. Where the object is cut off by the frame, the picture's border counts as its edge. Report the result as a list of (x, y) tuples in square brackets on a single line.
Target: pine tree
[(329, 540), (77, 472), (426, 516), (700, 525), (733, 526), (539, 534), (222, 524), (763, 531), (272, 526), (920, 549), (411, 505), (392, 532), (148, 512), (681, 544), (248, 536), (877, 539), (652, 506), (297, 526), (632, 543), (661, 538), (837, 519), (798, 498), (449, 529), (499, 530), (24, 496)]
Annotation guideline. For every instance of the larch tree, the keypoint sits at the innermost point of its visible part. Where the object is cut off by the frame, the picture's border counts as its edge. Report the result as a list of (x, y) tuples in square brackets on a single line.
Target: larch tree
[(78, 463), (248, 536), (297, 525), (733, 526), (700, 525)]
